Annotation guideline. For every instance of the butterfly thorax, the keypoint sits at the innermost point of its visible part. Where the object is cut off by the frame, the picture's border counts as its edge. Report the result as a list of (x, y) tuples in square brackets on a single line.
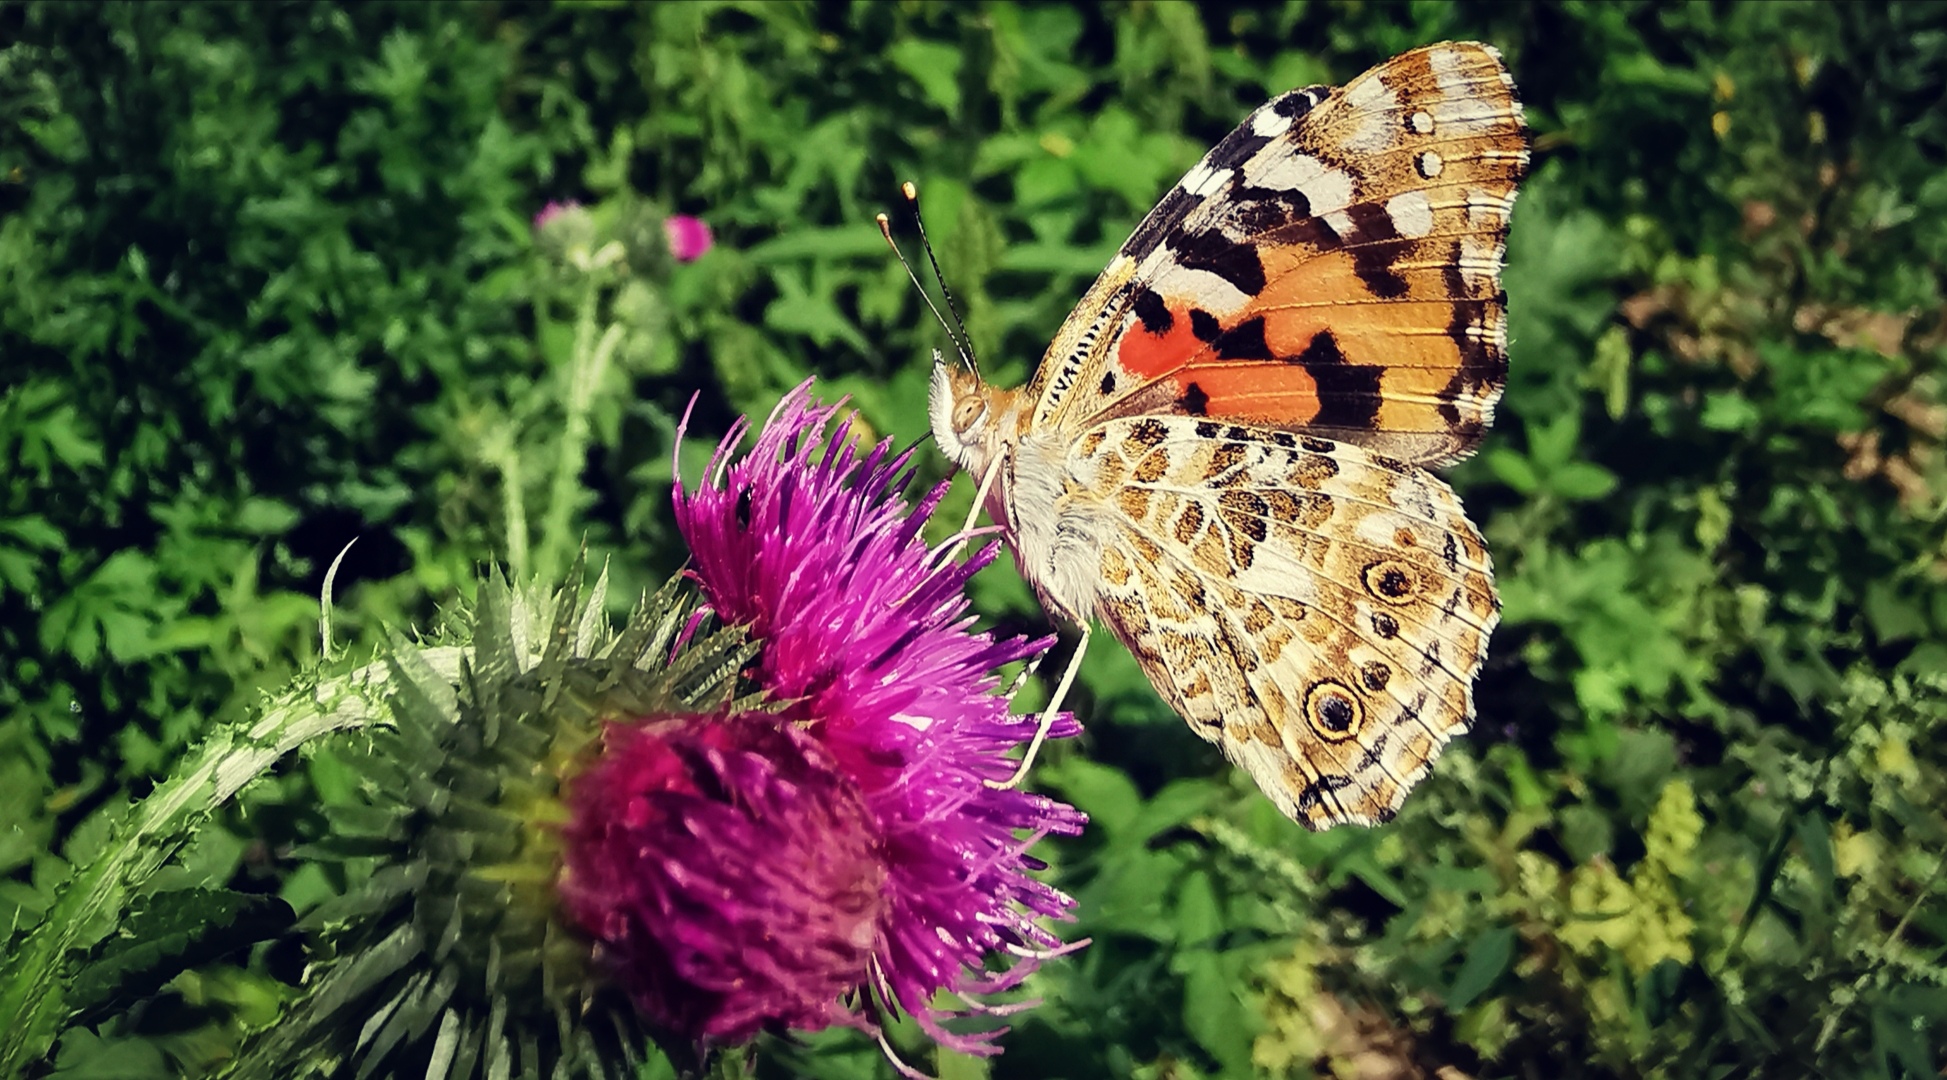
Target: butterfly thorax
[(1055, 528)]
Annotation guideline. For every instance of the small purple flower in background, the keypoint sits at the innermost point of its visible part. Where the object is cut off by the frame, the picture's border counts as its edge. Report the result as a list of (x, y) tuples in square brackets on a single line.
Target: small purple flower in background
[(867, 642), (553, 211), (688, 237)]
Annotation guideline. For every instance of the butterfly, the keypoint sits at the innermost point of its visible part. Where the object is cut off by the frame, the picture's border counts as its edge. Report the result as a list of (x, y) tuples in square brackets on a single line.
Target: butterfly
[(1223, 456)]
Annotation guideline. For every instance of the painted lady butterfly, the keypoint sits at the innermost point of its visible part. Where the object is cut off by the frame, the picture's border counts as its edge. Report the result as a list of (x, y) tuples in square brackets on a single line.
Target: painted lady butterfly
[(1223, 454)]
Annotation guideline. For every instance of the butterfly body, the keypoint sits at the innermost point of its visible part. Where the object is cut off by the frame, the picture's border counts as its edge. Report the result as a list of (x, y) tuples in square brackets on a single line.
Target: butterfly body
[(1223, 455)]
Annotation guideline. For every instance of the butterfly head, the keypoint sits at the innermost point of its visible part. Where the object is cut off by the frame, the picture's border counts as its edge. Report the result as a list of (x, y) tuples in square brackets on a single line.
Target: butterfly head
[(965, 412)]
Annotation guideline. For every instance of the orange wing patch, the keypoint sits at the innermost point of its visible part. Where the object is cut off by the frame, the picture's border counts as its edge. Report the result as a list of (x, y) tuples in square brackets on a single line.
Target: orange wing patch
[(1332, 267)]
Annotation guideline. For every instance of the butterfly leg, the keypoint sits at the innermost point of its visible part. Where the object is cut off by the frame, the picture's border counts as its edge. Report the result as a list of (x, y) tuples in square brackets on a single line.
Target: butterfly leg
[(950, 550), (1048, 714)]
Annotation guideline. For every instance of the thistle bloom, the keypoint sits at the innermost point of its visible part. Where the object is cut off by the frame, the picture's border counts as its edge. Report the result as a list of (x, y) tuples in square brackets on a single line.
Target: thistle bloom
[(866, 639), (692, 792), (688, 237)]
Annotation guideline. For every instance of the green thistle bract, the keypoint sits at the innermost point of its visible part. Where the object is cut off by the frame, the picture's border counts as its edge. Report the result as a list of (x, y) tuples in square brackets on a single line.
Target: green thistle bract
[(451, 957)]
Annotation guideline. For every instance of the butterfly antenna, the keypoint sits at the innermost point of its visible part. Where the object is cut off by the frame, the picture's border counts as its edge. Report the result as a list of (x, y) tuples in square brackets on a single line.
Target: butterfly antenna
[(911, 191), (885, 230)]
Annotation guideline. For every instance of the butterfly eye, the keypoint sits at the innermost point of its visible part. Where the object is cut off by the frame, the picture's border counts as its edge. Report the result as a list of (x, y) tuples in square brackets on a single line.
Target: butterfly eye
[(966, 413)]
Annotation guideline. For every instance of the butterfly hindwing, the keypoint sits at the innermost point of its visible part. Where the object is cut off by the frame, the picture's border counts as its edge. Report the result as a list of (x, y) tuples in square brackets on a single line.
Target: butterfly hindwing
[(1317, 610), (1332, 266)]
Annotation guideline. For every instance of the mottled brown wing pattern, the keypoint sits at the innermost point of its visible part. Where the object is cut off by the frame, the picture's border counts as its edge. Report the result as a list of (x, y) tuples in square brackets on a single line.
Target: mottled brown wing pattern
[(1317, 610), (1333, 267)]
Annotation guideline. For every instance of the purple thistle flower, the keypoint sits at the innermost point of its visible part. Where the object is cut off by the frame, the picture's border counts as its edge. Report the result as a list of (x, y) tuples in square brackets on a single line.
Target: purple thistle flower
[(867, 640), (688, 237), (649, 824)]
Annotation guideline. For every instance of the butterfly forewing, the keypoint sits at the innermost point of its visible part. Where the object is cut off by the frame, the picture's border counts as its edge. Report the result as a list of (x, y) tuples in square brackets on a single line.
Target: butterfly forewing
[(1332, 266)]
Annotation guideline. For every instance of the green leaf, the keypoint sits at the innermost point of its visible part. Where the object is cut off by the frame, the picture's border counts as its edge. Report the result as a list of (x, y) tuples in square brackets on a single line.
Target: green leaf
[(170, 933), (264, 517), (1106, 795), (1582, 481), (1894, 617), (1488, 958), (1513, 470), (1212, 1013), (935, 66), (1586, 832), (34, 531), (1725, 411), (84, 1055), (1199, 914)]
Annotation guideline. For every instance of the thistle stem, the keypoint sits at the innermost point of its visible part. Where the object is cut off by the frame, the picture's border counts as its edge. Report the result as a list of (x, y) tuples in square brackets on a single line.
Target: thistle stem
[(585, 372)]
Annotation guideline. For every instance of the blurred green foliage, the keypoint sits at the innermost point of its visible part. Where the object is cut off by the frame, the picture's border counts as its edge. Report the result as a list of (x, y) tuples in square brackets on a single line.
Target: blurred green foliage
[(268, 283)]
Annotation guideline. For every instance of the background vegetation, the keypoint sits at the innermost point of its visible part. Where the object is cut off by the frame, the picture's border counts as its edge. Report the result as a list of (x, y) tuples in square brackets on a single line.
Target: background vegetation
[(268, 283)]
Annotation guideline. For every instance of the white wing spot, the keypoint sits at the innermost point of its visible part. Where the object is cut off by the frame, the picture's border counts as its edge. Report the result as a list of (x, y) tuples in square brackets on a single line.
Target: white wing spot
[(1429, 165), (1412, 215), (1325, 189), (1480, 260), (1485, 210), (1269, 123), (1446, 69), (1203, 181), (1372, 94), (1466, 114), (1420, 123), (1214, 292)]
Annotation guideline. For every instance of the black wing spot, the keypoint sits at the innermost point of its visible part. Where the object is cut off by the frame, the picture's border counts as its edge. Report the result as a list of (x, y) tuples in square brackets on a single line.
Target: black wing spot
[(1333, 712), (1108, 383), (1245, 341), (1373, 261), (1195, 402), (1204, 325), (1299, 102), (1392, 580), (1236, 148), (1322, 349), (1257, 210), (1385, 625), (1375, 674), (1245, 512), (1235, 262), (1348, 394), (1155, 314)]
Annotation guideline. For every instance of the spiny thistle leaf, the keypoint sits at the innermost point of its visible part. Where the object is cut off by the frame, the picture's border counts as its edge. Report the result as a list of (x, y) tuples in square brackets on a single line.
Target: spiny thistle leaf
[(171, 933)]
